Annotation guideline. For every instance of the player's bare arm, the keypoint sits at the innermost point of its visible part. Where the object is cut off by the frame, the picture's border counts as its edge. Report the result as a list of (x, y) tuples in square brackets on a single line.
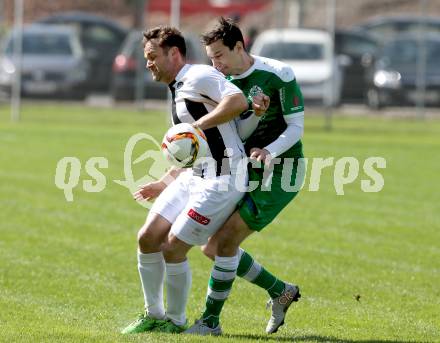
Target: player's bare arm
[(230, 107), (152, 190)]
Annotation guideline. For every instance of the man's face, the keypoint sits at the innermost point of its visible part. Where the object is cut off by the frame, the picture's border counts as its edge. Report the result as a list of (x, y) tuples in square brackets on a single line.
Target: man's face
[(158, 61), (224, 60)]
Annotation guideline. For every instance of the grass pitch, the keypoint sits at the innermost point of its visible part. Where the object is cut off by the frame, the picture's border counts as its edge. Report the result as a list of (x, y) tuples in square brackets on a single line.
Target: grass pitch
[(368, 263)]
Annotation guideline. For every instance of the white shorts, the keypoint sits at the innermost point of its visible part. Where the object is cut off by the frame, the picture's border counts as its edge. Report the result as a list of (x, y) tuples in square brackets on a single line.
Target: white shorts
[(197, 207)]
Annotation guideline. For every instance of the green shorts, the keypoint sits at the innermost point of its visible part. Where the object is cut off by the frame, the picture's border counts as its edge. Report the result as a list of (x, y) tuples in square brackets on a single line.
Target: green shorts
[(259, 207)]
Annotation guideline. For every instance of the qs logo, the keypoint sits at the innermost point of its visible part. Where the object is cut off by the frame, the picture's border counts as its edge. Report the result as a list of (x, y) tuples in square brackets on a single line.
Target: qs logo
[(68, 169)]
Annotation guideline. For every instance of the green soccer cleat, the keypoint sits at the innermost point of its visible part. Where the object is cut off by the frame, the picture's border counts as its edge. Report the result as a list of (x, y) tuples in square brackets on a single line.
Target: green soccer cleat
[(169, 327), (143, 324)]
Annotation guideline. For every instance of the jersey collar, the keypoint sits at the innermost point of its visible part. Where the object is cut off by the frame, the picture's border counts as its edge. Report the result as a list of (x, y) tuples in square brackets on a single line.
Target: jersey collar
[(247, 72), (182, 72)]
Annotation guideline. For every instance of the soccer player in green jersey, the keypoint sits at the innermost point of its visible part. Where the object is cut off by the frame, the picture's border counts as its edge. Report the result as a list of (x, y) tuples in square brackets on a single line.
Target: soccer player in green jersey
[(278, 134)]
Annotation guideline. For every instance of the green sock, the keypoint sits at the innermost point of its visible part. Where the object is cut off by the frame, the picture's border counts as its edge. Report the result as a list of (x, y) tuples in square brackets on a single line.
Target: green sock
[(220, 283), (211, 316), (252, 271)]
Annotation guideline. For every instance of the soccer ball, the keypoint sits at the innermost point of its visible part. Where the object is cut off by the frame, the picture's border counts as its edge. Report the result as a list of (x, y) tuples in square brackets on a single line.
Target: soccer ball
[(183, 144)]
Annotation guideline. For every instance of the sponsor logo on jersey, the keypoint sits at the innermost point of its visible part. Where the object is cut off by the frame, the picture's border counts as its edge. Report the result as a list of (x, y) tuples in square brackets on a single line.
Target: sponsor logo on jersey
[(198, 217), (254, 91), (296, 104)]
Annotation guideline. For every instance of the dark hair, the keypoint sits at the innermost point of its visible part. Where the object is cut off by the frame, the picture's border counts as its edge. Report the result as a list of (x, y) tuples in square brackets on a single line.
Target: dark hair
[(167, 36), (227, 31)]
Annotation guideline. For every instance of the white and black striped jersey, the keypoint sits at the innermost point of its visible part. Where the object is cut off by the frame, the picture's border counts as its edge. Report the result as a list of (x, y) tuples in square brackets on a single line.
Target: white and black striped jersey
[(196, 91)]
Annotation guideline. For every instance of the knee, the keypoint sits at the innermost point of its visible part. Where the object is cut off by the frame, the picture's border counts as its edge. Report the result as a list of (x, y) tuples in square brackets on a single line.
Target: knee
[(173, 251), (226, 245), (168, 250), (226, 248), (148, 242), (233, 233), (210, 250)]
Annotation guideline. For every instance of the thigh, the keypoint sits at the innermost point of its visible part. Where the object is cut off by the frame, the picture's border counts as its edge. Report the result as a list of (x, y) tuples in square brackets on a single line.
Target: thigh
[(260, 207), (153, 233), (232, 233), (171, 202)]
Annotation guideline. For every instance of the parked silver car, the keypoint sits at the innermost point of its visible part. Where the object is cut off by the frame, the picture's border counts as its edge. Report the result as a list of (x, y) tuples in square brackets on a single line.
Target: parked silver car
[(53, 62), (309, 53), (393, 77), (385, 28), (100, 38)]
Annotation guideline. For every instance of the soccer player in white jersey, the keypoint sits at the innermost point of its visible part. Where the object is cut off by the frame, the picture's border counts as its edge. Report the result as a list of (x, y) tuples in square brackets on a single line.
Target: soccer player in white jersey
[(191, 204), (279, 135)]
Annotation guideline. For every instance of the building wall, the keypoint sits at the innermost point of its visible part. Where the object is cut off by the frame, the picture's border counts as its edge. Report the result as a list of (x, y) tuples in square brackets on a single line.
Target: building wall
[(277, 14)]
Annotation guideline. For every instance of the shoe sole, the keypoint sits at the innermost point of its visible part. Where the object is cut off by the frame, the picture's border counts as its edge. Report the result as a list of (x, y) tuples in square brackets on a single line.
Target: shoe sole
[(205, 334), (295, 299)]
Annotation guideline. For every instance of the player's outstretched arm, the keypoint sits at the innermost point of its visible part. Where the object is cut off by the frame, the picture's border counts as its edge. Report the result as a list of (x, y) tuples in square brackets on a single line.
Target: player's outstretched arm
[(152, 190), (248, 121), (229, 107)]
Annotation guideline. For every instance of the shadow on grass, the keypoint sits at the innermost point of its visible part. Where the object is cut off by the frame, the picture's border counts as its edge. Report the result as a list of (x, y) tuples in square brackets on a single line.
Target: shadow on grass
[(313, 338)]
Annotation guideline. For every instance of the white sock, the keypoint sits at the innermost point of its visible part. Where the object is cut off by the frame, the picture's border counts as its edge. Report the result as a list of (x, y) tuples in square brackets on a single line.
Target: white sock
[(151, 270), (178, 286)]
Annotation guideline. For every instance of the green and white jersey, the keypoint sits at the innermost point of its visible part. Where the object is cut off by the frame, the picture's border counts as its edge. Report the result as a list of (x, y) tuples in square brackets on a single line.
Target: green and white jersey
[(276, 80)]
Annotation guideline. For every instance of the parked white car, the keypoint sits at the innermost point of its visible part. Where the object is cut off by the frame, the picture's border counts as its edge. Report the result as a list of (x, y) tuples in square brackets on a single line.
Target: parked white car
[(310, 54)]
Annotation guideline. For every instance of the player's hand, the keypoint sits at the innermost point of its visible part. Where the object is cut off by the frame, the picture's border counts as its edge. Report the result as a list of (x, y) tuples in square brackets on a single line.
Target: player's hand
[(261, 155), (260, 104), (149, 191)]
